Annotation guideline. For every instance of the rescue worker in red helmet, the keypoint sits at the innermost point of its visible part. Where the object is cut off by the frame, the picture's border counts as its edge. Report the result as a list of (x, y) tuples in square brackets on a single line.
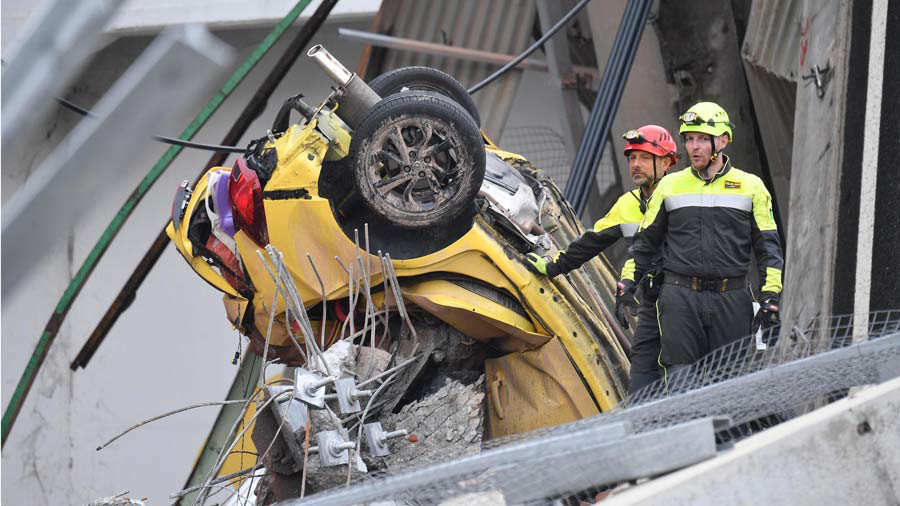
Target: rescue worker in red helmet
[(650, 151), (710, 217)]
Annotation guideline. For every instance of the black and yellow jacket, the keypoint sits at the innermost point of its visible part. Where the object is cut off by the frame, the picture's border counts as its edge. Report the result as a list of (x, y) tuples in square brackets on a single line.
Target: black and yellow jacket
[(710, 227), (622, 220)]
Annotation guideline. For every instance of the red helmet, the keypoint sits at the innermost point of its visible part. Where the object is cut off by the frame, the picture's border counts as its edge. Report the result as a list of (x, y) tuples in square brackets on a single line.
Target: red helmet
[(653, 139)]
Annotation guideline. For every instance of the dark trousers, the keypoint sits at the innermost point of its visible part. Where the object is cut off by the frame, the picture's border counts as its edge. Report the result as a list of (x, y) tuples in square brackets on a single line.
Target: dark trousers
[(693, 323), (644, 348)]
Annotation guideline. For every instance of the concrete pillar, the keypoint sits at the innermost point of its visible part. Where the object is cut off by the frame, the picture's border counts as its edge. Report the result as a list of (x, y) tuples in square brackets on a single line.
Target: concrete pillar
[(817, 157), (869, 176)]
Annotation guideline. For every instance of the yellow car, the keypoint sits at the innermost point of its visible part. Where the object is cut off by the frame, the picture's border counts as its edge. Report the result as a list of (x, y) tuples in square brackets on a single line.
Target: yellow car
[(408, 178)]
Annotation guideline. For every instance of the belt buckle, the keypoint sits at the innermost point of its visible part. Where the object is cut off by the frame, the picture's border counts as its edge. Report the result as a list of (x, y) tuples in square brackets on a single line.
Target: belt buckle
[(711, 285)]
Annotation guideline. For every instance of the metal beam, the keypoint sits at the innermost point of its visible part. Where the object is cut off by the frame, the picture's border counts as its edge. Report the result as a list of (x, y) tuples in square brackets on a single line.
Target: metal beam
[(461, 53)]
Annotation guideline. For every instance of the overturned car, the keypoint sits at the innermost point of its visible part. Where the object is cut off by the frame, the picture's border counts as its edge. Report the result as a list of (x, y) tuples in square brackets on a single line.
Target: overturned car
[(377, 248)]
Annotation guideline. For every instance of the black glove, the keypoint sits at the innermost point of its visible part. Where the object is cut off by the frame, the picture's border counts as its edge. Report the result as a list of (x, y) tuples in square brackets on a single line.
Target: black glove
[(767, 318), (650, 283), (625, 299)]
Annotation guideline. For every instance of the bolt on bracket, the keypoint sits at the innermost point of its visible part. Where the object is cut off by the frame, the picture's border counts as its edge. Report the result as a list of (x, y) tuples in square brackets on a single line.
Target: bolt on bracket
[(377, 438), (348, 396), (820, 77), (334, 450), (309, 387)]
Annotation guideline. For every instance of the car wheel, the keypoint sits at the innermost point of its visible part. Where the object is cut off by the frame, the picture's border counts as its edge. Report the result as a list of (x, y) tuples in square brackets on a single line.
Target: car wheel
[(425, 79), (419, 160)]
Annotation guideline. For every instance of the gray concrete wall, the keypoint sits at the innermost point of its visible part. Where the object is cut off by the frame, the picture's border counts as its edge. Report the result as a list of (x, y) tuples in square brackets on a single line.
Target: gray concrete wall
[(845, 453)]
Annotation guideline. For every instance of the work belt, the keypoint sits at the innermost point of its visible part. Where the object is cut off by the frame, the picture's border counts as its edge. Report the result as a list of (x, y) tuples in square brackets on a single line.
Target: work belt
[(699, 284)]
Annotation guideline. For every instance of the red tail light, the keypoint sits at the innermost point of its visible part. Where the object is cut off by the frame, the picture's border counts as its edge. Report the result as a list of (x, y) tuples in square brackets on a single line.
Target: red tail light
[(247, 202)]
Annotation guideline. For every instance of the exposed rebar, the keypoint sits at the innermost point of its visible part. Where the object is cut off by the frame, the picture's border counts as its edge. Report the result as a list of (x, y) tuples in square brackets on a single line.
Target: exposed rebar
[(322, 288), (169, 413), (277, 291)]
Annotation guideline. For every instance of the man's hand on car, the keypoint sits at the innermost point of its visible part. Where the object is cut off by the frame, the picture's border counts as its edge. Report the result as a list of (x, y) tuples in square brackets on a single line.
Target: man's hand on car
[(625, 299), (537, 263)]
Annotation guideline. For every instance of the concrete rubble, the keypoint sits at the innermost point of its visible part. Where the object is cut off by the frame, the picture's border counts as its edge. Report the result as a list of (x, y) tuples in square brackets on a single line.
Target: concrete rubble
[(121, 499)]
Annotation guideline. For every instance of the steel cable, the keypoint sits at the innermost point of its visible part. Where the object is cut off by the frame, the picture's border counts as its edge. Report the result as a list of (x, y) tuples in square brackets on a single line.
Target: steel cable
[(525, 54), (592, 144), (609, 94)]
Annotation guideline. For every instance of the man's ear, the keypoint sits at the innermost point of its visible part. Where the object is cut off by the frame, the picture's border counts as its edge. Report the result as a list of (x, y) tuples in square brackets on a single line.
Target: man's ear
[(722, 142), (666, 162)]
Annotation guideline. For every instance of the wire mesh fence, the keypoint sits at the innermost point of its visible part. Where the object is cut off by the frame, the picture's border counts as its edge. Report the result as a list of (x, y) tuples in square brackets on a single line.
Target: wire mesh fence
[(543, 147), (578, 462), (547, 150)]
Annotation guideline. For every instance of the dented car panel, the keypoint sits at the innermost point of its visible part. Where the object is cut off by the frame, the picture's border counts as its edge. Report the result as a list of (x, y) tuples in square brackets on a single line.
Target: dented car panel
[(528, 390)]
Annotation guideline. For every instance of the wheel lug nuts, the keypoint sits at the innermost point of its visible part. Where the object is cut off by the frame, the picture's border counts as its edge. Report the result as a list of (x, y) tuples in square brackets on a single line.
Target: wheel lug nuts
[(421, 173), (406, 168)]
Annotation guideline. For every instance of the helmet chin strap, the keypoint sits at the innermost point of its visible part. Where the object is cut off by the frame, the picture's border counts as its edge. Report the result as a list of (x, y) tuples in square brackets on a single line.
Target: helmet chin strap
[(714, 154), (651, 183)]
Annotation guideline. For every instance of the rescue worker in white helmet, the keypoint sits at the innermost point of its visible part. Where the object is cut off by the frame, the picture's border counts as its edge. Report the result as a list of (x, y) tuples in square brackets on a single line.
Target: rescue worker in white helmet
[(650, 151), (709, 216)]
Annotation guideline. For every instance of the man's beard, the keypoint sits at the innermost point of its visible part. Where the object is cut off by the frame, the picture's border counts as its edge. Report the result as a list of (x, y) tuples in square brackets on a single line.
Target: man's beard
[(641, 180), (702, 164)]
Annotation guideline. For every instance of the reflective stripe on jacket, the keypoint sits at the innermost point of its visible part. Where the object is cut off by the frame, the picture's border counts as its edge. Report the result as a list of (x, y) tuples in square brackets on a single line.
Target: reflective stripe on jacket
[(622, 220), (710, 227)]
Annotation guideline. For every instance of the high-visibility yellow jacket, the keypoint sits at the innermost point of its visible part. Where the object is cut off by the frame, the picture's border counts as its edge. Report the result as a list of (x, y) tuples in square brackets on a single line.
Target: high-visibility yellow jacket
[(709, 228), (622, 220)]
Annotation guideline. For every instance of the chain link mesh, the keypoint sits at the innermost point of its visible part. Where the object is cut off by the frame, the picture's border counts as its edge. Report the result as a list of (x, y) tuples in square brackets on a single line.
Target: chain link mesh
[(546, 149), (813, 364), (543, 147)]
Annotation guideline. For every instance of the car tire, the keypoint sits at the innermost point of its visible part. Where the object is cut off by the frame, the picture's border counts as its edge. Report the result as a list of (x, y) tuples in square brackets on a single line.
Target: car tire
[(419, 160), (425, 79)]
